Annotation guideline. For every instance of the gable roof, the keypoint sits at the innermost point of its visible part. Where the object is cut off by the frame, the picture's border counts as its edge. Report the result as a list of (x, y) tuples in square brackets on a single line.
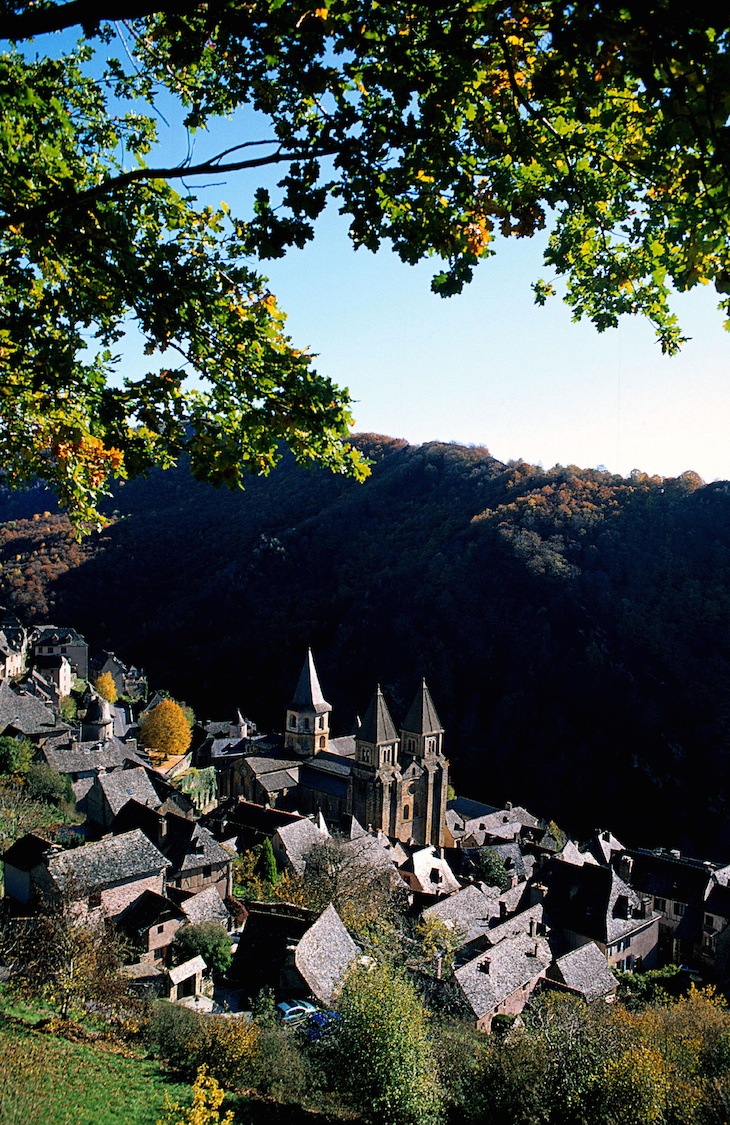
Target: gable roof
[(308, 694), (670, 876), (296, 839), (592, 900), (26, 714), (114, 860), (205, 906), (422, 717), (324, 954), (377, 725), (127, 785), (512, 964), (85, 757), (469, 912), (149, 909), (585, 970), (190, 846)]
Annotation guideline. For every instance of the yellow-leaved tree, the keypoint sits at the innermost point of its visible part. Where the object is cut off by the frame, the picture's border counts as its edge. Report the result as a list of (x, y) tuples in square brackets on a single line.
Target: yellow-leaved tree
[(164, 730), (106, 687), (205, 1110)]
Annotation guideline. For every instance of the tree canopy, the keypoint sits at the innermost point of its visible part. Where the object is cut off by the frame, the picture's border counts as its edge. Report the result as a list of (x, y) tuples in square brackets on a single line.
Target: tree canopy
[(164, 730), (432, 127)]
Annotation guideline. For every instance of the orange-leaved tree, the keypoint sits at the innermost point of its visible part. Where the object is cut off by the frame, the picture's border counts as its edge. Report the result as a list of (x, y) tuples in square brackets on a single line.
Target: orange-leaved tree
[(165, 730)]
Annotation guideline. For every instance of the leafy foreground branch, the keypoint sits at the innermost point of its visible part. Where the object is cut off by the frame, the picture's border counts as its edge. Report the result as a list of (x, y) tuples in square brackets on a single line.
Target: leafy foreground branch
[(432, 127)]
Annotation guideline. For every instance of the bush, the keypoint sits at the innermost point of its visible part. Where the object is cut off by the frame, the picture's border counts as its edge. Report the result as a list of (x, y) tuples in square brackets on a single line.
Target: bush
[(208, 940), (46, 784)]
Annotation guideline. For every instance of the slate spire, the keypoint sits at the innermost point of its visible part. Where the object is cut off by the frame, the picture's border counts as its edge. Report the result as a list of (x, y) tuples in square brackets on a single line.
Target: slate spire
[(308, 695), (377, 725), (422, 717)]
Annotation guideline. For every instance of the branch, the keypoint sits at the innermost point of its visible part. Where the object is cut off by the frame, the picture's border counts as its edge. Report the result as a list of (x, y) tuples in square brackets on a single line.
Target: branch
[(69, 201), (84, 13)]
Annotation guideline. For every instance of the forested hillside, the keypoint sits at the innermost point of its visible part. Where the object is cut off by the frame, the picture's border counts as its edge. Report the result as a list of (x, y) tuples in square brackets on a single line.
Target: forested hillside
[(572, 624)]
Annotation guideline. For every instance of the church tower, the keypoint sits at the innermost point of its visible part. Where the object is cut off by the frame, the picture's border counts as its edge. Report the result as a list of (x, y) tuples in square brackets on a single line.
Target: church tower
[(307, 716), (425, 770), (375, 773)]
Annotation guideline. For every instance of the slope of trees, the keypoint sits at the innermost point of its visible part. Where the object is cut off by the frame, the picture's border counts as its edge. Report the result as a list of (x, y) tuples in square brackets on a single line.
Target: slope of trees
[(571, 623)]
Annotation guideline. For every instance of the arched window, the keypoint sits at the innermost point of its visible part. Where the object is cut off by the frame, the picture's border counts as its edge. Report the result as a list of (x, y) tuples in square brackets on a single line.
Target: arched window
[(306, 724), (406, 812), (321, 743), (293, 721)]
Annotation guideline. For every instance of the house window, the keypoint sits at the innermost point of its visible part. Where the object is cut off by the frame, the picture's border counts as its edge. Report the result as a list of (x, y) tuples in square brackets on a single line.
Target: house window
[(293, 722), (160, 929), (207, 872), (435, 875), (679, 909), (406, 812), (660, 904)]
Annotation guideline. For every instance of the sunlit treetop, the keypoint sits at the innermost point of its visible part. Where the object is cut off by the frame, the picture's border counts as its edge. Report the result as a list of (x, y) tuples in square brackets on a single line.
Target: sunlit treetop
[(432, 128)]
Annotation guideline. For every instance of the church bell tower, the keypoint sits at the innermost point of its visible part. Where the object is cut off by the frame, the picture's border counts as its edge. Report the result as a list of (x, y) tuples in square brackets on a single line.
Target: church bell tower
[(308, 714)]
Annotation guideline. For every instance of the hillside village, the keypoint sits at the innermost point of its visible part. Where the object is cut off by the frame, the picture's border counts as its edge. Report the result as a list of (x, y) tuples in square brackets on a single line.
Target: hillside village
[(159, 842)]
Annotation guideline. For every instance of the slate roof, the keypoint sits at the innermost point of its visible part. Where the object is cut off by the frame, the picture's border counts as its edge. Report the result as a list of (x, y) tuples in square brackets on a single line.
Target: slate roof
[(513, 963), (205, 906), (586, 971), (603, 847), (324, 781), (718, 901), (674, 877), (149, 909), (516, 924), (296, 840), (192, 846), (590, 900), (108, 861), (127, 785), (26, 714), (377, 725), (422, 717), (85, 757), (344, 747), (424, 863), (308, 694), (52, 635), (469, 912), (27, 852), (324, 954)]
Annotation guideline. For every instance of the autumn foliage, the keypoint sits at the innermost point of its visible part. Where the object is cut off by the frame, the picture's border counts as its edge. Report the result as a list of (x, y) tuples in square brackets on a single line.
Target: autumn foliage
[(165, 731), (106, 687)]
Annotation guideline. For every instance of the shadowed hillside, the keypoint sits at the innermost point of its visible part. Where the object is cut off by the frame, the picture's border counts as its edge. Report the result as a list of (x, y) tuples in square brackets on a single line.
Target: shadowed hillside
[(572, 624)]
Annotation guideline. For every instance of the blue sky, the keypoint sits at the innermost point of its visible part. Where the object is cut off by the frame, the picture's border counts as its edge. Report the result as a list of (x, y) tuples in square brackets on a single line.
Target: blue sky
[(489, 367)]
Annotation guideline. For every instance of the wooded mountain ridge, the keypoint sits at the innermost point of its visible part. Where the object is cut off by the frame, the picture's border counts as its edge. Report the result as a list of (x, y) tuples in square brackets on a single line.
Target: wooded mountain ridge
[(571, 623)]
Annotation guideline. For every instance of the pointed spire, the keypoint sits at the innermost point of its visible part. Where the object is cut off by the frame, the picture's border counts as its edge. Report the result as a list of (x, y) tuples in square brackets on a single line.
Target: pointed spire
[(422, 717), (377, 725), (308, 695)]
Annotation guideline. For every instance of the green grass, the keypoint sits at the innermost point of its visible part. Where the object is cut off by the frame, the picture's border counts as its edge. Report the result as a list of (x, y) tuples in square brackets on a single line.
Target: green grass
[(46, 1080)]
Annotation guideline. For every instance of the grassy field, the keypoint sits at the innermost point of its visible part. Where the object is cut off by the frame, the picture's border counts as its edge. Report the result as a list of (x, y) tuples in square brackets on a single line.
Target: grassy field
[(48, 1079)]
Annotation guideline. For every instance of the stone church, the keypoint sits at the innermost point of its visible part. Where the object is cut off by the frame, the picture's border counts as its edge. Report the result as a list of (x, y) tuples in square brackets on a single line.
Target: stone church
[(390, 780)]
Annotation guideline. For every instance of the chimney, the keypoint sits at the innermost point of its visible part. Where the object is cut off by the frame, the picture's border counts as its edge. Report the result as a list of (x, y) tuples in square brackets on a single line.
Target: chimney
[(533, 927), (502, 911)]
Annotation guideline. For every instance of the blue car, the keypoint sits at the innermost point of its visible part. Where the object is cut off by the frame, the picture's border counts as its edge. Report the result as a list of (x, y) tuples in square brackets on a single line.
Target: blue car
[(320, 1024)]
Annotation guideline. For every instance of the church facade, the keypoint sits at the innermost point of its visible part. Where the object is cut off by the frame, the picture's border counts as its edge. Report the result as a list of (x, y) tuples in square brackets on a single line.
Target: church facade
[(391, 780)]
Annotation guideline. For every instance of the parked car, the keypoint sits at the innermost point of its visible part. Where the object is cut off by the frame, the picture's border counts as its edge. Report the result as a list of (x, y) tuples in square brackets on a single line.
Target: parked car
[(320, 1025), (295, 1012)]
